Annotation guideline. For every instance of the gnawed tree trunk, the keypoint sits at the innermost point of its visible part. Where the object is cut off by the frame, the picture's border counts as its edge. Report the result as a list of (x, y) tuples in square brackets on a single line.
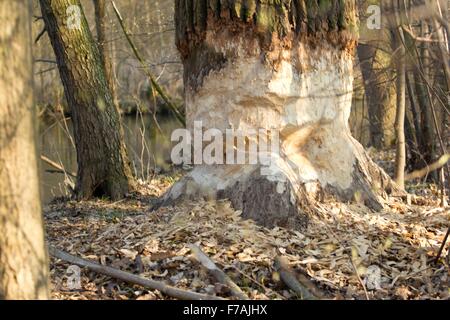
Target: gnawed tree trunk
[(283, 66), (380, 93), (103, 166), (23, 254)]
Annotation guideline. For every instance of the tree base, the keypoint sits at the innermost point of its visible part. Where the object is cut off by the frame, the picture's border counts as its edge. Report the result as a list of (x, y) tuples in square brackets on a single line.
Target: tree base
[(305, 97), (278, 195)]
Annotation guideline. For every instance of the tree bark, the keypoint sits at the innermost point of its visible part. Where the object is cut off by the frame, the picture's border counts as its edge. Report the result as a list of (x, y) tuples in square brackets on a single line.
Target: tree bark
[(380, 94), (101, 27), (23, 257), (103, 165), (400, 158), (285, 67), (428, 148)]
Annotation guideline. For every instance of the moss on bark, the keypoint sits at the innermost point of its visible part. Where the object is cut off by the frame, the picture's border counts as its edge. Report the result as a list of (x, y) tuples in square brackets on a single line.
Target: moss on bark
[(212, 27), (302, 19), (103, 165)]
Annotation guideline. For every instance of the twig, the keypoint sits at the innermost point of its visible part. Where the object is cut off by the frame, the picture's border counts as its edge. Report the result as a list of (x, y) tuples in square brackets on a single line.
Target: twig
[(267, 290), (359, 278), (45, 61), (216, 272), (138, 56), (57, 166), (432, 167), (130, 278), (289, 278), (442, 246), (40, 35)]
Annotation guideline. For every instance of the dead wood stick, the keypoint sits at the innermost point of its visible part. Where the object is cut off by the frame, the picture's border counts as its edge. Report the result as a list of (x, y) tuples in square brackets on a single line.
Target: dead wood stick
[(432, 167), (289, 278), (216, 272), (436, 260), (361, 282), (57, 166), (130, 278)]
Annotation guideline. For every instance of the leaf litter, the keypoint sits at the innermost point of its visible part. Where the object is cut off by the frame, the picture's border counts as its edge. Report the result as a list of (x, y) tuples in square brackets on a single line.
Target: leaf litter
[(347, 251)]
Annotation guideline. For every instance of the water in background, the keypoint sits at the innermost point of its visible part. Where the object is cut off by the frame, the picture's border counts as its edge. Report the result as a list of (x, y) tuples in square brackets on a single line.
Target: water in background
[(146, 155)]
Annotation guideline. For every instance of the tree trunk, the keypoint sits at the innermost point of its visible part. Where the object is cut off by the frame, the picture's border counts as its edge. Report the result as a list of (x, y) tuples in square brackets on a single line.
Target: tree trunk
[(23, 254), (421, 77), (285, 67), (400, 158), (103, 166), (380, 94), (100, 23)]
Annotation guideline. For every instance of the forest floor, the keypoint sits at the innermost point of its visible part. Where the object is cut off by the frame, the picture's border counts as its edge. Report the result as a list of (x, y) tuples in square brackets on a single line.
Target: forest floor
[(347, 251)]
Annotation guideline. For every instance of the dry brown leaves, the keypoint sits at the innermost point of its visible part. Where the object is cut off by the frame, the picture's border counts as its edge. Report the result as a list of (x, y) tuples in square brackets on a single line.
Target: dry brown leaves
[(390, 251)]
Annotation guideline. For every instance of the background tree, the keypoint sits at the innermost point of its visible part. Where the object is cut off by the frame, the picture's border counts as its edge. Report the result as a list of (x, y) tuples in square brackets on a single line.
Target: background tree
[(103, 166), (377, 76), (23, 254), (101, 27), (398, 47)]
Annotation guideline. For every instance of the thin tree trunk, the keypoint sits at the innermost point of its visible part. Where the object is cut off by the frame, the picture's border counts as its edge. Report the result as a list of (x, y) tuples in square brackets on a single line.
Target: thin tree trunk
[(398, 42), (101, 27), (103, 166), (416, 139), (23, 255), (400, 158), (429, 146)]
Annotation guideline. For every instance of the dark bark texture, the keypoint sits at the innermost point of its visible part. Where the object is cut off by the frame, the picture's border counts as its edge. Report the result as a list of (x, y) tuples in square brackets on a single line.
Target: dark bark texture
[(103, 166), (273, 24), (100, 24), (380, 97)]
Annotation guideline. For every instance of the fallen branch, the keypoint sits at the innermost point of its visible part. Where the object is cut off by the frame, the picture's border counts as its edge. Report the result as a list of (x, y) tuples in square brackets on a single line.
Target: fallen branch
[(130, 278), (57, 166), (432, 167), (290, 279), (216, 272)]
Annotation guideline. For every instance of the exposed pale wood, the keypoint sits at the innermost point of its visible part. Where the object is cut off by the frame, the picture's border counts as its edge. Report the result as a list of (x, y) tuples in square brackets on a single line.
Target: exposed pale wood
[(130, 278), (282, 67), (221, 276)]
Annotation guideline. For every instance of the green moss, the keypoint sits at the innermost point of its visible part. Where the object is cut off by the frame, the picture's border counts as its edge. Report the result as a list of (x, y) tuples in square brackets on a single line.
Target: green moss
[(264, 18), (325, 6), (214, 6), (312, 10), (248, 9), (268, 16)]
